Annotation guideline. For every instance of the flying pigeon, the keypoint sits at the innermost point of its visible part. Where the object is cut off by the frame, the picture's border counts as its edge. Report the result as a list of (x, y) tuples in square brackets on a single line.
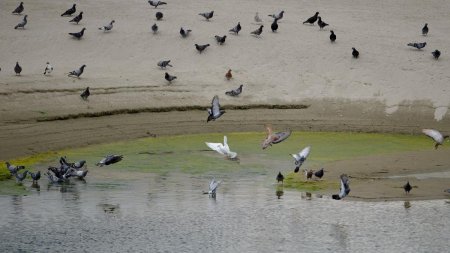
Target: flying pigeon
[(164, 64), (184, 32), (70, 11), (425, 30), (312, 19), (274, 25), (319, 174), (222, 149), (48, 69), (20, 177), (280, 177), (110, 159), (19, 9), (17, 69), (79, 34), (355, 53), (35, 176), (200, 48), (257, 18), (220, 39), (236, 29), (277, 16), (169, 78), (228, 75), (77, 72), (436, 53), (235, 92), (407, 187), (417, 45), (159, 15), (77, 18), (13, 168), (300, 158), (436, 136), (108, 27), (154, 28), (332, 36), (345, 188), (214, 112), (321, 23), (156, 3), (258, 31), (207, 15), (274, 138), (22, 23), (85, 94)]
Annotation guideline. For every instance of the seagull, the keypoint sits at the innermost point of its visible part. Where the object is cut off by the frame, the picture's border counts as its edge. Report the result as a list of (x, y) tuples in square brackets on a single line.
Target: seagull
[(319, 174), (13, 168), (258, 31), (214, 112), (257, 18), (312, 19), (274, 138), (355, 53), (213, 185), (332, 36), (274, 25), (277, 16), (345, 188), (220, 39), (236, 92), (110, 159), (200, 48), (207, 15), (48, 69), (22, 23), (108, 27), (35, 176), (79, 34), (17, 69), (70, 11), (321, 23), (77, 72), (280, 177), (436, 136), (85, 94), (169, 78), (21, 177), (154, 28), (425, 30), (308, 173), (407, 187), (228, 75), (77, 18), (184, 32), (156, 3), (159, 15), (417, 45), (164, 64), (436, 53), (301, 157), (222, 149), (236, 29), (19, 9)]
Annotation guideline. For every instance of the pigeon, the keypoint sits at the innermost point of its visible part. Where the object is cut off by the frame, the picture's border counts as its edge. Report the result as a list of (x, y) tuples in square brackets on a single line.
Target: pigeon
[(48, 69), (425, 30), (213, 185), (280, 177), (300, 158), (344, 190), (108, 27), (21, 177), (274, 138), (222, 149), (274, 25), (77, 165), (436, 53), (154, 28), (13, 168), (70, 11), (19, 9), (207, 15), (319, 174), (236, 29), (22, 23), (277, 16), (164, 64), (235, 92), (308, 174), (228, 75), (156, 3), (355, 53), (258, 31), (85, 94), (110, 159), (159, 15), (214, 112), (17, 69), (184, 32), (80, 174), (200, 48), (220, 39), (321, 23), (257, 18), (436, 136), (77, 72), (79, 34), (332, 36), (77, 18), (407, 187), (169, 78), (417, 45), (35, 176), (312, 19)]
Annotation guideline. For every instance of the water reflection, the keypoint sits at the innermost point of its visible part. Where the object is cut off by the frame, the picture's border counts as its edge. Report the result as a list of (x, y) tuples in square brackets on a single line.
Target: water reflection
[(279, 191)]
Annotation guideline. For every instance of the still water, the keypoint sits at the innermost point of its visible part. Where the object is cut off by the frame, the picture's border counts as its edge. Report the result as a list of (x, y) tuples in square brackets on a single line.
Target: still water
[(169, 213)]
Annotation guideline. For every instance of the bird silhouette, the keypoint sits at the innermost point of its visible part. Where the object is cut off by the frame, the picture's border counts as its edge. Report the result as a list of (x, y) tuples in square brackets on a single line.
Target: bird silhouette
[(18, 9), (214, 112), (17, 69), (355, 53), (85, 94), (184, 32), (236, 29), (159, 15), (77, 72), (258, 31), (321, 23), (70, 11), (280, 177), (425, 30), (164, 64), (169, 77), (345, 188), (277, 16), (107, 27), (154, 28), (200, 48), (332, 36), (417, 45), (228, 75), (436, 136), (22, 23), (236, 92), (274, 25), (77, 18), (319, 174), (207, 15), (156, 3), (407, 187), (220, 39), (312, 19), (436, 53), (274, 138), (79, 34), (48, 69)]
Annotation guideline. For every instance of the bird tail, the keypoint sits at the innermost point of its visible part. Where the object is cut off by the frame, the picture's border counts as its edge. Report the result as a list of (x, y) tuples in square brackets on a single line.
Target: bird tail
[(100, 28), (169, 65), (15, 27)]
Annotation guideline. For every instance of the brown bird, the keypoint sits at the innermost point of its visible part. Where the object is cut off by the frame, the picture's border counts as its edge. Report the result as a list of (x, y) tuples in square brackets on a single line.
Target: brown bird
[(228, 75), (309, 174)]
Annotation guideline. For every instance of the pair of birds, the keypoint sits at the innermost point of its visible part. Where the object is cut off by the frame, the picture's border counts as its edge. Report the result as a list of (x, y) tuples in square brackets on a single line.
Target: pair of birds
[(315, 18), (318, 174)]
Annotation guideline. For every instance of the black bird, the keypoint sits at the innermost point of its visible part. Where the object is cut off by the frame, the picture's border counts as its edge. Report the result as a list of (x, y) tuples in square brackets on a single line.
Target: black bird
[(35, 176), (200, 48), (156, 3), (110, 159), (235, 92), (169, 78), (274, 25), (220, 39), (13, 169), (159, 15), (236, 29), (258, 31), (22, 23), (70, 11), (207, 15), (77, 72), (297, 168), (85, 94), (277, 16), (332, 36), (407, 187), (17, 69), (78, 18), (319, 174), (345, 188), (436, 53), (425, 30), (79, 34), (184, 32), (280, 177), (164, 64), (417, 45), (154, 28), (312, 19), (214, 112), (21, 177), (355, 53), (19, 9), (321, 23)]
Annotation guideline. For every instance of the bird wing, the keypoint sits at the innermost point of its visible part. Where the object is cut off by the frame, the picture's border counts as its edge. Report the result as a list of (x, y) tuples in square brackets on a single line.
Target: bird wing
[(434, 134), (305, 152), (226, 148), (281, 136), (296, 157), (218, 147), (215, 106), (345, 189), (213, 185)]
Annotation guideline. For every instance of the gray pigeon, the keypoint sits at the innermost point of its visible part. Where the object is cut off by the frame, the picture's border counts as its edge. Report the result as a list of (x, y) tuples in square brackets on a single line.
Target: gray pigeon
[(35, 176), (110, 159), (332, 36), (236, 29), (200, 48), (84, 95), (22, 23), (154, 28), (19, 9), (312, 19), (17, 69), (13, 168), (220, 39), (79, 34), (436, 53), (425, 30), (207, 15), (258, 31), (235, 92), (108, 27), (321, 23), (277, 16), (156, 3), (169, 77), (214, 112), (417, 45), (184, 32), (70, 11), (20, 177), (164, 64), (344, 189), (77, 18), (159, 15), (77, 72)]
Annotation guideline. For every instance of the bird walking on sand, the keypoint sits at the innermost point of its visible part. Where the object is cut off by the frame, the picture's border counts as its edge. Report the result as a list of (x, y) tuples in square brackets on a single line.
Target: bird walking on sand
[(155, 28), (345, 188), (200, 48), (48, 69), (332, 36), (312, 19), (77, 18), (407, 187), (235, 92), (277, 16), (207, 15), (77, 72), (258, 31), (319, 174), (159, 15), (22, 23), (110, 159), (214, 112), (184, 32), (85, 94), (436, 136), (220, 39), (236, 29), (18, 9), (436, 53), (257, 18), (107, 27), (164, 64), (355, 53), (300, 158), (274, 25), (425, 30), (417, 45), (17, 69), (169, 77), (70, 11), (274, 138), (228, 75), (79, 34), (280, 178), (156, 3), (321, 23)]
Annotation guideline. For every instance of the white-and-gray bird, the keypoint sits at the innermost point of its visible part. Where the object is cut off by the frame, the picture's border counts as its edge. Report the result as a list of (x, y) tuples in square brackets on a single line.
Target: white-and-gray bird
[(107, 27), (235, 92), (22, 23), (222, 149), (77, 72), (436, 136), (207, 15), (277, 16), (156, 3), (213, 185), (417, 45), (345, 188), (236, 29), (48, 69), (110, 159), (164, 64), (13, 168), (214, 112), (300, 158)]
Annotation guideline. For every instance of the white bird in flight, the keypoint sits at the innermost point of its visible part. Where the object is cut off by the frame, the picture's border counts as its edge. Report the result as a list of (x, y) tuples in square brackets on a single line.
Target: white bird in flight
[(301, 157), (436, 136), (223, 149)]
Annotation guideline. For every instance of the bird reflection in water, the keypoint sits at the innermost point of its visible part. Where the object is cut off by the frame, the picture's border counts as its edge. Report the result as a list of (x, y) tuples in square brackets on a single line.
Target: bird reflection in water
[(279, 191), (306, 195), (407, 204)]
